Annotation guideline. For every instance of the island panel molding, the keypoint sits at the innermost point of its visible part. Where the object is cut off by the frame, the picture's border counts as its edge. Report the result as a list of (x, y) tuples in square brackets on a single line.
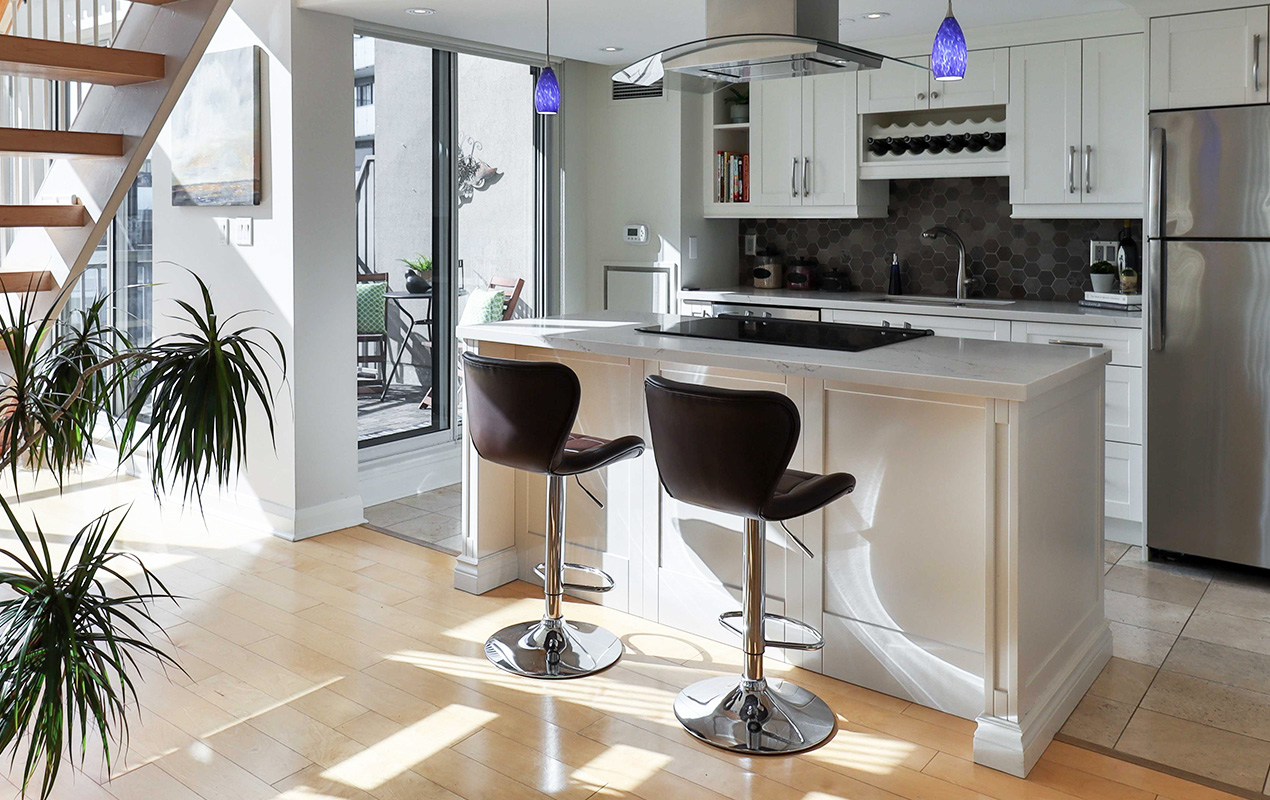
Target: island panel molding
[(964, 573)]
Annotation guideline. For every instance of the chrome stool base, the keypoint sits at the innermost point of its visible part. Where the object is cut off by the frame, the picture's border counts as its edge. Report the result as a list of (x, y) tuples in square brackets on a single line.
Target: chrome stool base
[(754, 717), (553, 649)]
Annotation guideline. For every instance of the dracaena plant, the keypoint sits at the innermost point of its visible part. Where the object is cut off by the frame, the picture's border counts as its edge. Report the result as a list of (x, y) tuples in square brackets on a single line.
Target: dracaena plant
[(72, 627)]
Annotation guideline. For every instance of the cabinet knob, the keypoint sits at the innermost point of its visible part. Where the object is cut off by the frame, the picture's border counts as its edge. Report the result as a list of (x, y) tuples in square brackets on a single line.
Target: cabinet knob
[(921, 95), (934, 95)]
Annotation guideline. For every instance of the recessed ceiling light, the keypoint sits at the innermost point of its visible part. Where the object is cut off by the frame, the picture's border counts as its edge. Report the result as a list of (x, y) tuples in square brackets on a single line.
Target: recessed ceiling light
[(877, 15), (421, 12), (611, 49)]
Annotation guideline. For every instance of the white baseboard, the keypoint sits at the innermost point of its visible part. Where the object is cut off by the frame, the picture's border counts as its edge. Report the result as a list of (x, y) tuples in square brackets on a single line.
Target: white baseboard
[(245, 509), (331, 516), (393, 475), (478, 576), (1014, 748)]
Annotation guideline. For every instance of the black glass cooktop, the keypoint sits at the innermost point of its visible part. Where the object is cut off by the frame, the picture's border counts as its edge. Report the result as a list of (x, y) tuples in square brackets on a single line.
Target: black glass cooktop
[(792, 333)]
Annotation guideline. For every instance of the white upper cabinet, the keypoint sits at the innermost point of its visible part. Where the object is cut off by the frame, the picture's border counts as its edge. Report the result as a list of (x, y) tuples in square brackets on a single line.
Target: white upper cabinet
[(830, 141), (895, 86), (1216, 58), (987, 82), (1077, 128), (1113, 120), (776, 123), (902, 87)]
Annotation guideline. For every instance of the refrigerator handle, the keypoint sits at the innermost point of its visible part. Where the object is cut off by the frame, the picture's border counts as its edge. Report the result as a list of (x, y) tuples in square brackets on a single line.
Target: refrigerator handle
[(1155, 247)]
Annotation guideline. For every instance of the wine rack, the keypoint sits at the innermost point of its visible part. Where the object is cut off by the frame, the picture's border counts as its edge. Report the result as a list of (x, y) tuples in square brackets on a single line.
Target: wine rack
[(935, 144)]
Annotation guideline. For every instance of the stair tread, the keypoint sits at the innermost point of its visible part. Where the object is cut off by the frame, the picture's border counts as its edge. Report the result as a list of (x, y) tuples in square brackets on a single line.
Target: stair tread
[(68, 216), (14, 281), (66, 144), (68, 61)]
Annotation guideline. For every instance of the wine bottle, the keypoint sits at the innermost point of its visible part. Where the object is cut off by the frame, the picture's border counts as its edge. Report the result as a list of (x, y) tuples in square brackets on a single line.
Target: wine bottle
[(878, 147), (897, 146), (936, 144), (956, 143), (975, 142), (916, 145), (995, 141)]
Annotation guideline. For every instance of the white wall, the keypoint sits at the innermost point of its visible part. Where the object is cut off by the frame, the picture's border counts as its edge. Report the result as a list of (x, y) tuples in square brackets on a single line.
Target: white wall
[(297, 270)]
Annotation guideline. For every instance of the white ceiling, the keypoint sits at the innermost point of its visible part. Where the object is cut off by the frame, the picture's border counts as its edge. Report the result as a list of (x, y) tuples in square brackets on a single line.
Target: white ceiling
[(579, 28)]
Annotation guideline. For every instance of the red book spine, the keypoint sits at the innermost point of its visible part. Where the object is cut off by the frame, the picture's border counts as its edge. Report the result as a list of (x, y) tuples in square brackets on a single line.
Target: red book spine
[(745, 178)]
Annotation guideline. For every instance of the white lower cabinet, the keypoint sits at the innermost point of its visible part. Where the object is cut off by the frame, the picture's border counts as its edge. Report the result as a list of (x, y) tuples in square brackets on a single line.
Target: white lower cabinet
[(1124, 481), (959, 327), (1124, 405)]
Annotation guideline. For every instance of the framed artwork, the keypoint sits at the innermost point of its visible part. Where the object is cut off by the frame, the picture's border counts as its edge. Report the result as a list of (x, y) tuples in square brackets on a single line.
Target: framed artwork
[(216, 132)]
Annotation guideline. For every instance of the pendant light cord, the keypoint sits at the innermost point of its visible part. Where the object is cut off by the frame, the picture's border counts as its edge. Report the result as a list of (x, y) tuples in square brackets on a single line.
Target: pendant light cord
[(548, 61)]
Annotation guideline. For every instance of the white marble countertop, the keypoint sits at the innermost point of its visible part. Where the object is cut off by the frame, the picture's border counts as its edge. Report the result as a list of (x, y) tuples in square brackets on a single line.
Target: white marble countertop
[(1019, 310), (1002, 370)]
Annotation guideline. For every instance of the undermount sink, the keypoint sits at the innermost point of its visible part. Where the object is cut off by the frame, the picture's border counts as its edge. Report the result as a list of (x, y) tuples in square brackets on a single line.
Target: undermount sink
[(943, 301)]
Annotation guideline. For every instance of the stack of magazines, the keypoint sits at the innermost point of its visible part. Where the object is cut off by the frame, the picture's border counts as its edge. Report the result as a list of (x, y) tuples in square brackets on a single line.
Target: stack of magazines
[(1113, 300)]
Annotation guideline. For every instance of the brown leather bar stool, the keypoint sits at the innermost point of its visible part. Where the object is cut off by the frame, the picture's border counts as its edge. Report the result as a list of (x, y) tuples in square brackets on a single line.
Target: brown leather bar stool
[(729, 451), (519, 414)]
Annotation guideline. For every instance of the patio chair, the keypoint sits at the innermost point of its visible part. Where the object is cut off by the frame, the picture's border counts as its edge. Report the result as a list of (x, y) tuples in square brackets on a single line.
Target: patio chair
[(511, 288), (372, 331)]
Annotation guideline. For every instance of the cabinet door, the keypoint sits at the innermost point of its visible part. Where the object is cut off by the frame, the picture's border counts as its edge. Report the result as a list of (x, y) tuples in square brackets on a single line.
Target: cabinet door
[(1213, 59), (987, 82), (776, 122), (896, 87), (1113, 159), (1043, 122), (1124, 405), (1123, 490), (831, 137)]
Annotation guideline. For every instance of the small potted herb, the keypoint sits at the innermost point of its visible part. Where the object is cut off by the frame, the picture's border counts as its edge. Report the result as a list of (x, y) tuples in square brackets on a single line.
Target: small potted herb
[(738, 104), (1103, 276), (418, 274)]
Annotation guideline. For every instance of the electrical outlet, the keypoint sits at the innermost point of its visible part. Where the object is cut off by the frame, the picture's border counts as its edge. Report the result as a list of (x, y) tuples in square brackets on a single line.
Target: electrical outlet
[(222, 229), (243, 231), (1103, 251), (751, 244)]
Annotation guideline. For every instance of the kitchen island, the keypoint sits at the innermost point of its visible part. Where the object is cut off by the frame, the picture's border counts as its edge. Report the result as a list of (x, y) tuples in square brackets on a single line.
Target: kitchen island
[(964, 573)]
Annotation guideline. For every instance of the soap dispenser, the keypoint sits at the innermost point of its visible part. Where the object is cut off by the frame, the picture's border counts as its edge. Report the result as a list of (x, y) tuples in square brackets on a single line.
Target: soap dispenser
[(896, 286)]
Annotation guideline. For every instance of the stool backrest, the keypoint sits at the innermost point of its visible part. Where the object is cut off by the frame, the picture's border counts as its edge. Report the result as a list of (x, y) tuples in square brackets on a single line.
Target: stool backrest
[(519, 413), (720, 448)]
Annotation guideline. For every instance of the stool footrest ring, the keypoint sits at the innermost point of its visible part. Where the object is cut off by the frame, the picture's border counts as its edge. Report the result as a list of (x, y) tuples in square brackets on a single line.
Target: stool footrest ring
[(606, 583), (817, 639)]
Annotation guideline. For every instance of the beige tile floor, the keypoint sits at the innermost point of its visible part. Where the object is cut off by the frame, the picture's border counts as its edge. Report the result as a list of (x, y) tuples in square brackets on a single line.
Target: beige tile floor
[(1188, 687), (430, 519)]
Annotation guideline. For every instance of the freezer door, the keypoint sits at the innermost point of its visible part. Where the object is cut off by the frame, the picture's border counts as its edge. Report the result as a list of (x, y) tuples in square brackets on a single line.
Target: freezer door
[(1208, 408), (1217, 173)]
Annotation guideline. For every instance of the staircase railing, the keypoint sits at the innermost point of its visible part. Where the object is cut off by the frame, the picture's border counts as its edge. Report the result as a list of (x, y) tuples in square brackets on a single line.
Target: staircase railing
[(366, 216), (38, 103)]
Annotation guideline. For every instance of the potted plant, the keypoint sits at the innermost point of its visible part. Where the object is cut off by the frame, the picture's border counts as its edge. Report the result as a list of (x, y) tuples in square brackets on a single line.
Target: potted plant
[(1103, 276), (74, 618), (418, 274), (738, 103)]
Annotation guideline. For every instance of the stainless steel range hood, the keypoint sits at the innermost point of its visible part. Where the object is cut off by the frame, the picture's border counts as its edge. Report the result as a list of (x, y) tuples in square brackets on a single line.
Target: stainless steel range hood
[(752, 40)]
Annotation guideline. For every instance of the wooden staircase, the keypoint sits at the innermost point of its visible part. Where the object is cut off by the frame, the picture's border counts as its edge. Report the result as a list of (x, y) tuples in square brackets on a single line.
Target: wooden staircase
[(134, 85)]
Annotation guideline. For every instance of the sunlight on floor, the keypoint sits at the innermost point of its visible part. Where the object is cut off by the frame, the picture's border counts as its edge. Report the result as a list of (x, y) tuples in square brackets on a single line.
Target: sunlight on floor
[(623, 768), (865, 752)]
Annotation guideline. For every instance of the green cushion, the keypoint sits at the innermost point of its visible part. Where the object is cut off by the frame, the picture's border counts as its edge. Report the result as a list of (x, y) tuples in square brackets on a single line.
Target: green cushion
[(484, 305), (370, 307)]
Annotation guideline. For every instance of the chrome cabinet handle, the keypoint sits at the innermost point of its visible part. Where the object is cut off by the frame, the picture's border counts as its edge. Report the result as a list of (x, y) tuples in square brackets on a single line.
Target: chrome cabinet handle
[(793, 178), (1071, 170), (1089, 157), (1256, 62), (806, 177), (1073, 343)]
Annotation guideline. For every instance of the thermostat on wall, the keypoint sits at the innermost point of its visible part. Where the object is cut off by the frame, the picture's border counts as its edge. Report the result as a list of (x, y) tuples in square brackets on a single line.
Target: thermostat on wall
[(637, 234)]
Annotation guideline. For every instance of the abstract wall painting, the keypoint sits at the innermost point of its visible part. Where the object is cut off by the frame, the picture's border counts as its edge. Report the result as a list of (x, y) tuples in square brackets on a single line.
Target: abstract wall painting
[(216, 132)]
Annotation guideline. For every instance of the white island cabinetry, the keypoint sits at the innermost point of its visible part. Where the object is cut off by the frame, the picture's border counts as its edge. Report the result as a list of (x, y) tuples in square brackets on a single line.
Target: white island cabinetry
[(965, 571)]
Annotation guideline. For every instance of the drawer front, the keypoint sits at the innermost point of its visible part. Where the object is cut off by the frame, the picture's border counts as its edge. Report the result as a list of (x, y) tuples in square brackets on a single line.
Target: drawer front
[(1124, 405), (1124, 481), (1125, 344), (958, 327)]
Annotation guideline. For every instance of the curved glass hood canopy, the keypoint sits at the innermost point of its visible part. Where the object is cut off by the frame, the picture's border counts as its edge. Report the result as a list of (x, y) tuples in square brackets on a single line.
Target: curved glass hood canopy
[(753, 40)]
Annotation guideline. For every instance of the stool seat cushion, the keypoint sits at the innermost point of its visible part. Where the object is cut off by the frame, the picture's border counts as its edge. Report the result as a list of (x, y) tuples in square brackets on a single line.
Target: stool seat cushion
[(585, 453), (798, 493)]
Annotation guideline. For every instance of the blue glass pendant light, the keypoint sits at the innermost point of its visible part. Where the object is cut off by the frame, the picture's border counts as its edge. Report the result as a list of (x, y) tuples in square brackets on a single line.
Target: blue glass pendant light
[(547, 91), (948, 55)]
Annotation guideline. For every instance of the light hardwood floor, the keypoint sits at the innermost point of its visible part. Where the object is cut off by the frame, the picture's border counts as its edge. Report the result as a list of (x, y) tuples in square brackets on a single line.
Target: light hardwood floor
[(346, 666)]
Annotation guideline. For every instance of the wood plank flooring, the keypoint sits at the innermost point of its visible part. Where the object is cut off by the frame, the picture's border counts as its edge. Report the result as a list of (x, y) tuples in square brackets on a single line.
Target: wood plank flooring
[(346, 666)]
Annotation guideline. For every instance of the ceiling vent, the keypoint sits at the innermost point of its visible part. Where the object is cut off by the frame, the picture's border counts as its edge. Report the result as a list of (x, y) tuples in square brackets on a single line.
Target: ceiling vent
[(632, 91)]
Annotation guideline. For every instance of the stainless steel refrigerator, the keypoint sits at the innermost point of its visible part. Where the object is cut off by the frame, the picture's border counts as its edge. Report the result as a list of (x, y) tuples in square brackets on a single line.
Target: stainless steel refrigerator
[(1208, 318)]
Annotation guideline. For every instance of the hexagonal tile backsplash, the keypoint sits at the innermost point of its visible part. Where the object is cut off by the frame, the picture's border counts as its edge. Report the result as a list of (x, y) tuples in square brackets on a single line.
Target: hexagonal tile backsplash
[(1015, 258)]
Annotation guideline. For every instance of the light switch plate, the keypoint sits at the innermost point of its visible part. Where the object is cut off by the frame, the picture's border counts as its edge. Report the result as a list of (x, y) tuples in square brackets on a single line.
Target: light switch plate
[(243, 231), (1102, 251), (692, 248), (751, 244), (222, 229)]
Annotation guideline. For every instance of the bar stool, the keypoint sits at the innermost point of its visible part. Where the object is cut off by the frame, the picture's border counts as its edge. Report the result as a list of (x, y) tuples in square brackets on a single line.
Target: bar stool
[(519, 414), (729, 451)]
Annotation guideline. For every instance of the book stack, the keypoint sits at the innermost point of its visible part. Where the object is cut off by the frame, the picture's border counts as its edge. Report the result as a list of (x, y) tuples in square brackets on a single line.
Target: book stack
[(732, 177), (1113, 300)]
